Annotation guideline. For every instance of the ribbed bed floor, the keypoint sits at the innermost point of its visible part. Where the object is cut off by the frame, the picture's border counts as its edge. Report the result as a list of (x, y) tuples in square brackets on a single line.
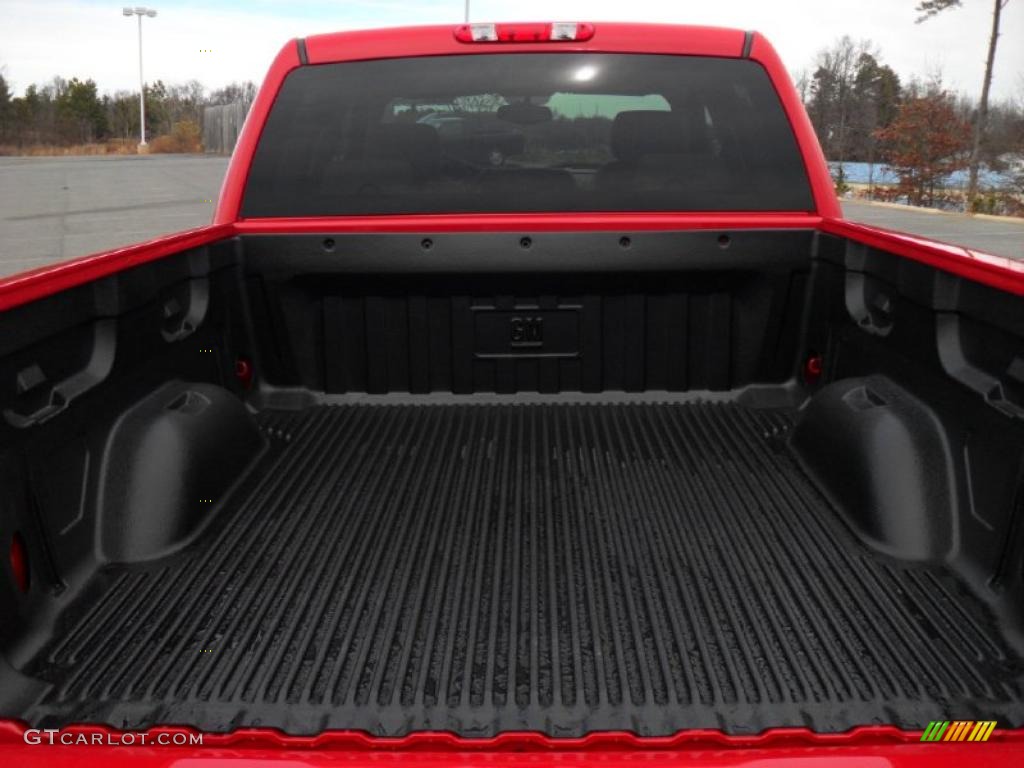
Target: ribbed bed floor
[(563, 568)]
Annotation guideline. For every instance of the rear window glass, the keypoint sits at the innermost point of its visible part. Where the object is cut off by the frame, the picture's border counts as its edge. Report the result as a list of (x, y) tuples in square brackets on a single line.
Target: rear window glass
[(526, 132)]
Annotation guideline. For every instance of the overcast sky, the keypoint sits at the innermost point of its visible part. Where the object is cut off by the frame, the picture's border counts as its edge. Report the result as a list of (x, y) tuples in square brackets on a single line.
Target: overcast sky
[(90, 38)]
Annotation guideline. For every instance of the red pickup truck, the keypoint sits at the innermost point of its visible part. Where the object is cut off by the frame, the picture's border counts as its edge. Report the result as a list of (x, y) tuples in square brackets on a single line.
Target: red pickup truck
[(528, 400)]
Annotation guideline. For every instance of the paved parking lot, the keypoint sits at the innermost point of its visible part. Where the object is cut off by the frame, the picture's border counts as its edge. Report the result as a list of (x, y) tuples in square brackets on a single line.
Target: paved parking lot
[(1002, 236), (55, 208)]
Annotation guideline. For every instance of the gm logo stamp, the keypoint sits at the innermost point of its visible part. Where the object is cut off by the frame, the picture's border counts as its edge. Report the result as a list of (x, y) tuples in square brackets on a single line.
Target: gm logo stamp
[(526, 331), (958, 730)]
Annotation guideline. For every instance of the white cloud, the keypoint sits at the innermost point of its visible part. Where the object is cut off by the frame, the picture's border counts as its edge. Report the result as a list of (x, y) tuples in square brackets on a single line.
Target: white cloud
[(86, 38)]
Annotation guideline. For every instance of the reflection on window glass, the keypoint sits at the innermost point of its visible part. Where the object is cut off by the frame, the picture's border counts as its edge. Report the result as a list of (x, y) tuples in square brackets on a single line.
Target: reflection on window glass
[(526, 132)]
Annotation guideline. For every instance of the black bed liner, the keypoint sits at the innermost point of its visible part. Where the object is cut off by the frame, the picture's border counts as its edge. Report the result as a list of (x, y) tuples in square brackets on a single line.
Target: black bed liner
[(563, 568)]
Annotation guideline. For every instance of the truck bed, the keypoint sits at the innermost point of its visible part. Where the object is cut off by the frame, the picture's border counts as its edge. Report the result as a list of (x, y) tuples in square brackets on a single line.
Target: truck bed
[(561, 564), (582, 489)]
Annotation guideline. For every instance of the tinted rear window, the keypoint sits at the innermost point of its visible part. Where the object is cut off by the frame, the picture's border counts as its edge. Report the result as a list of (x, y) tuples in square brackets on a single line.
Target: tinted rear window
[(526, 132)]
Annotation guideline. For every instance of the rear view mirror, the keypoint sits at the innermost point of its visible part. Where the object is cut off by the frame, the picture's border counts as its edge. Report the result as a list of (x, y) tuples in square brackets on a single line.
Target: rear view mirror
[(524, 114)]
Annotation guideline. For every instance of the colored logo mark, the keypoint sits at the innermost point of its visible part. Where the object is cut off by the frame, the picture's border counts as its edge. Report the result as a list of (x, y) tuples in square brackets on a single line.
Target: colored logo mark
[(958, 730)]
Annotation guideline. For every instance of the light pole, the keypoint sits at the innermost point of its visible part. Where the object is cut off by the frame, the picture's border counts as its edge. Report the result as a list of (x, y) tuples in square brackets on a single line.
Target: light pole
[(140, 12), (467, 12)]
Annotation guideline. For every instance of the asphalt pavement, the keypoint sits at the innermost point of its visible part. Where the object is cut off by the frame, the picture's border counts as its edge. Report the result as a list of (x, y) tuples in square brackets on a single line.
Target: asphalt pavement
[(57, 208), (1002, 236)]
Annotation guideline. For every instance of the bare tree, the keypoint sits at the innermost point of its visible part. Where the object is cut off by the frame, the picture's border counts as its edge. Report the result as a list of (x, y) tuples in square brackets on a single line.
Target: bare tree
[(932, 7), (232, 92), (832, 91), (802, 81)]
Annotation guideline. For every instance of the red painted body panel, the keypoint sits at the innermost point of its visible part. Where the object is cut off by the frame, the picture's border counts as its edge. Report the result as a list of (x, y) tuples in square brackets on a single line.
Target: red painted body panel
[(814, 159), (879, 746), (44, 281), (533, 222), (997, 271), (230, 200), (440, 40), (608, 38)]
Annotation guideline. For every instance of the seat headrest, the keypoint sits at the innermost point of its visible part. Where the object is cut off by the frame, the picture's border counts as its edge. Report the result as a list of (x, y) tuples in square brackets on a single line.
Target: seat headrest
[(647, 132)]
